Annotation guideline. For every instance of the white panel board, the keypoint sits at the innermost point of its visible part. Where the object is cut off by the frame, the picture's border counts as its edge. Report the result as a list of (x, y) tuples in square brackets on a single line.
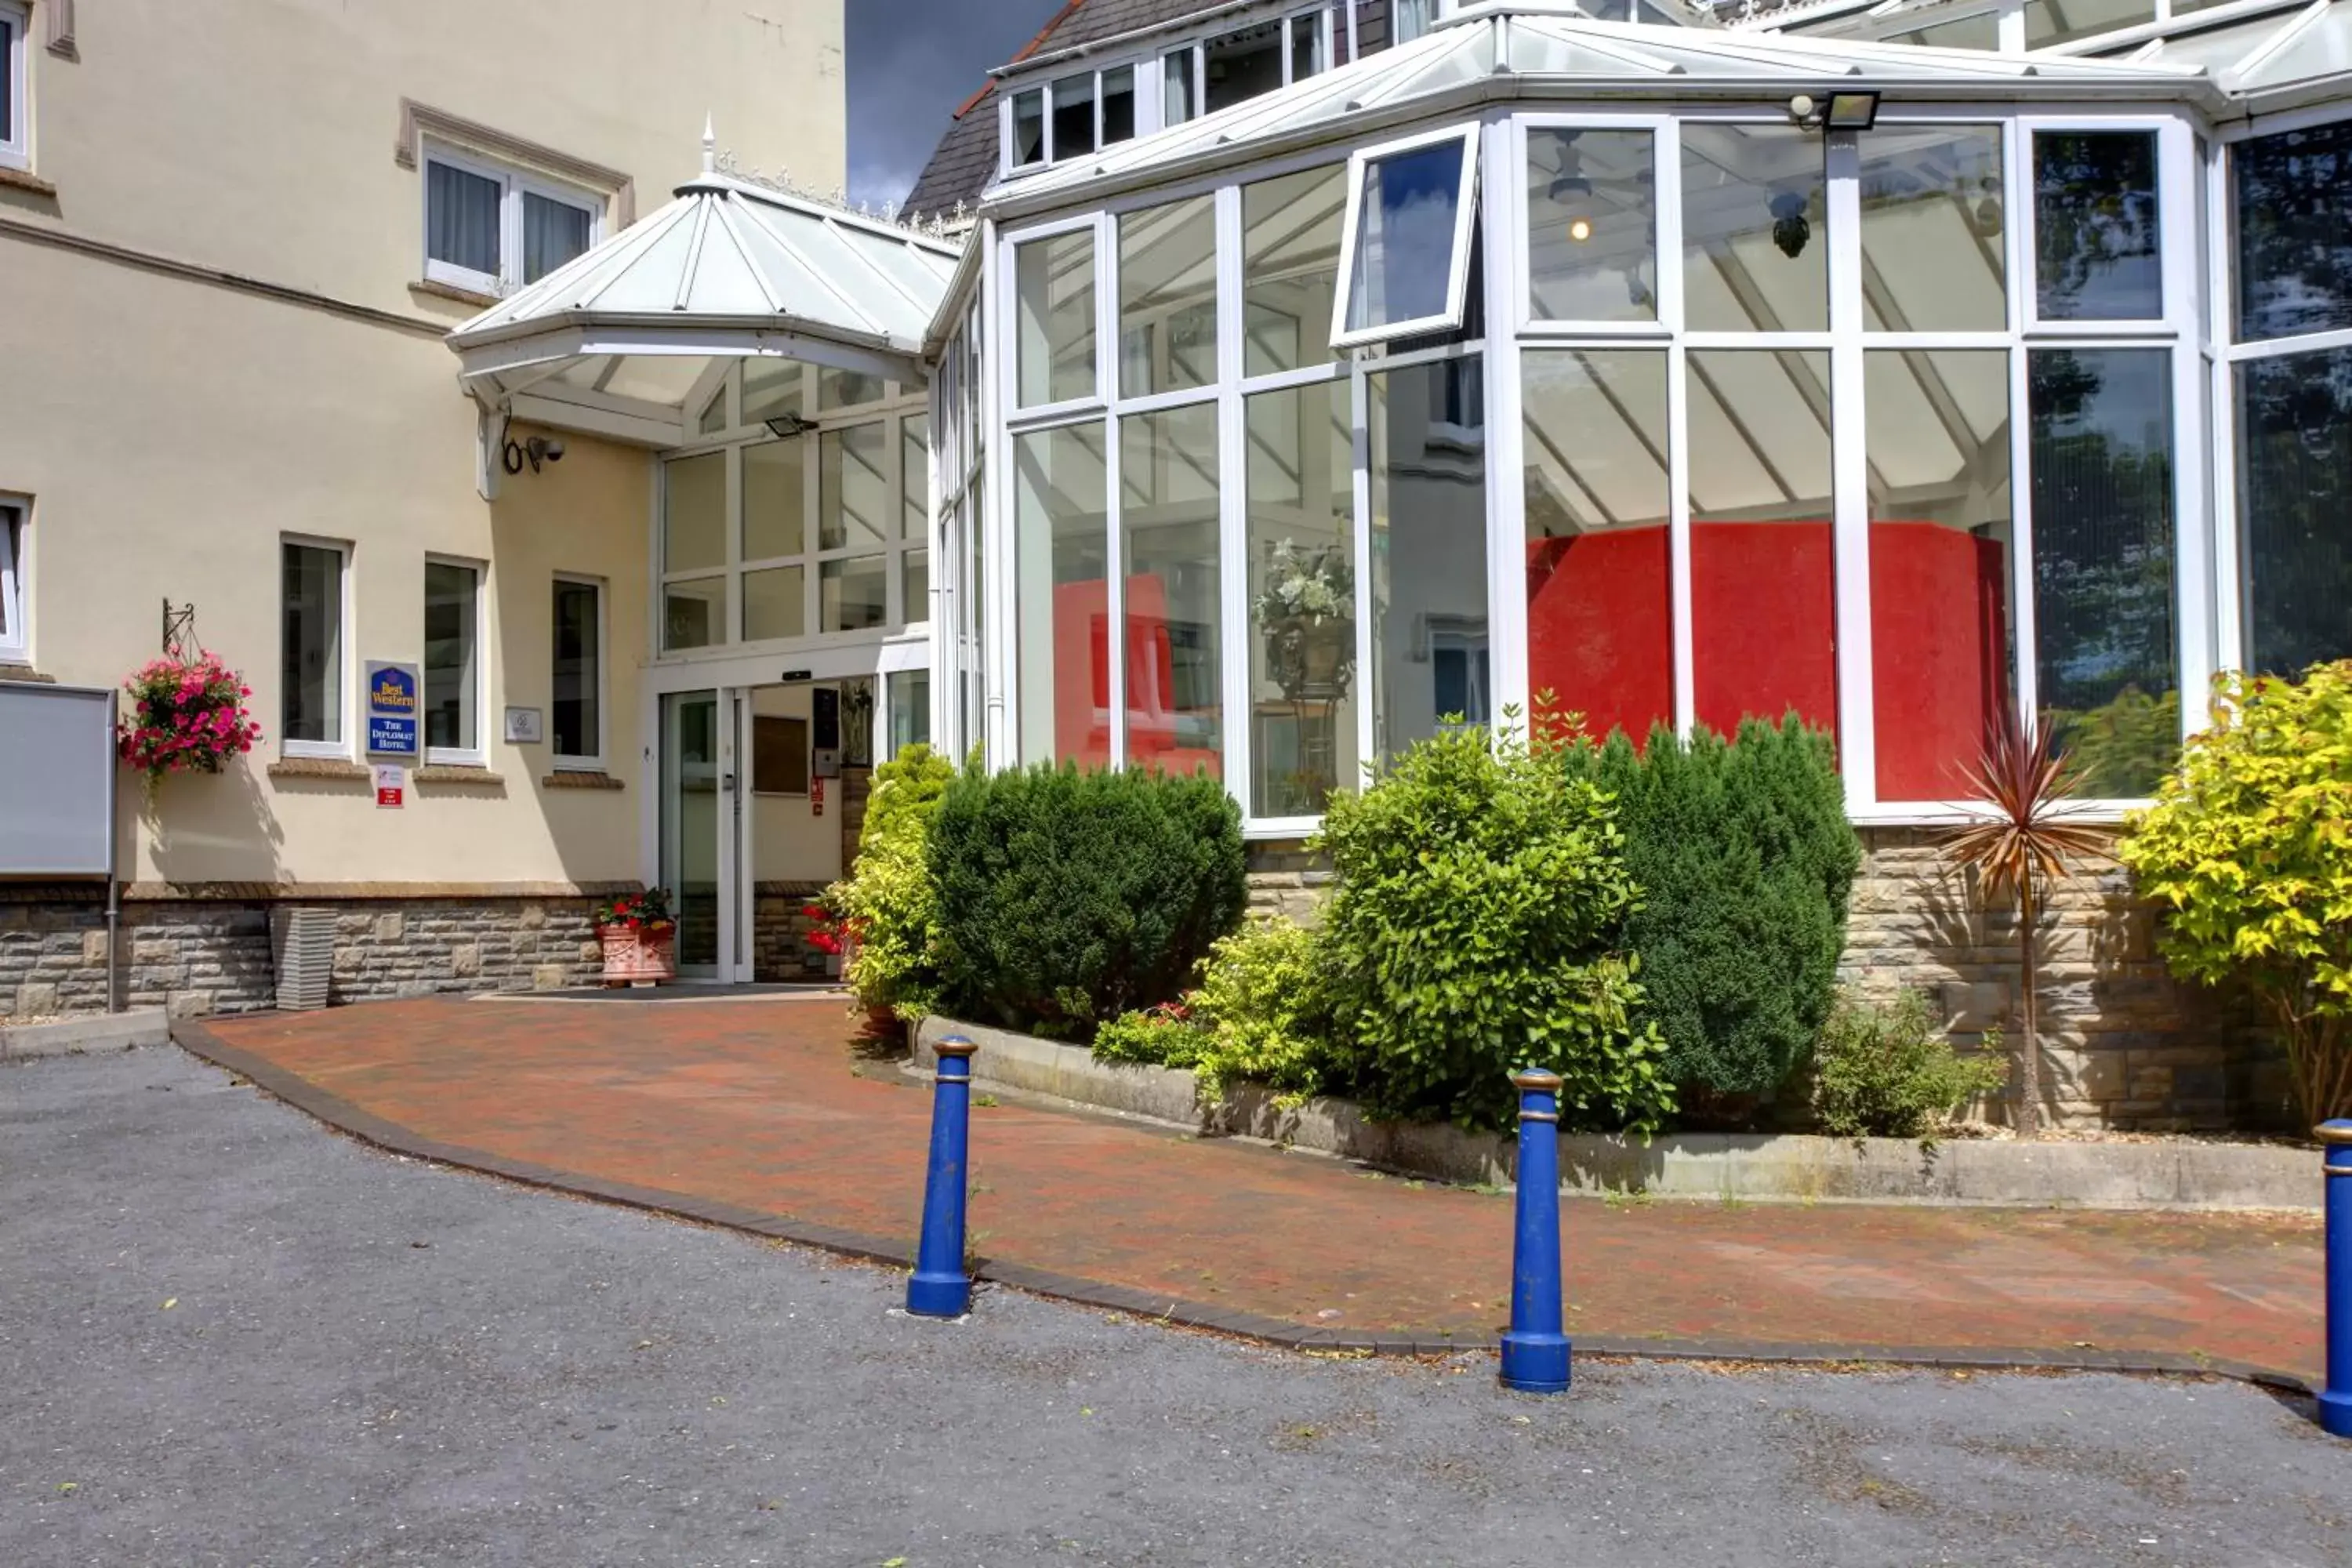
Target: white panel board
[(56, 780)]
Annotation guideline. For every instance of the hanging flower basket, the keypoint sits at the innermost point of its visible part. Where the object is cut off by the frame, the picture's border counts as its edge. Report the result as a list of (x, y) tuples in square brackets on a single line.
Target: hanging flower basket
[(638, 937), (186, 716)]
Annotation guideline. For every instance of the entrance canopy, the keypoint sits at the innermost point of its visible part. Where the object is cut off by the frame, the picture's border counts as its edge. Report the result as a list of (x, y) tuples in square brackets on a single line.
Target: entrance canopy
[(630, 338)]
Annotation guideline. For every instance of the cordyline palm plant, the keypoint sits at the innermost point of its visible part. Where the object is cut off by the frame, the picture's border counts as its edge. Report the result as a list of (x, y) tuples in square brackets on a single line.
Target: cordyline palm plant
[(2027, 838)]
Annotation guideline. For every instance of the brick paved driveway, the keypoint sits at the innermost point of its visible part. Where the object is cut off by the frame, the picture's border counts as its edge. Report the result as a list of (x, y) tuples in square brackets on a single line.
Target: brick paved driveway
[(757, 1109)]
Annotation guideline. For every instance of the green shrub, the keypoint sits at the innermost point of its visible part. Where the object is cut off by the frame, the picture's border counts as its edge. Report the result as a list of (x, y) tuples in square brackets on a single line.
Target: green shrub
[(1883, 1072), (1160, 1036), (1478, 927), (888, 898), (1068, 898), (2247, 850), (1744, 859), (1265, 1010)]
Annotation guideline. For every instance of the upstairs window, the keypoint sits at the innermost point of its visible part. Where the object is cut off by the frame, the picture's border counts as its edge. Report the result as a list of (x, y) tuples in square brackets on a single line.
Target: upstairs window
[(1233, 68), (15, 135), (1408, 238), (492, 229), (13, 645), (1072, 116)]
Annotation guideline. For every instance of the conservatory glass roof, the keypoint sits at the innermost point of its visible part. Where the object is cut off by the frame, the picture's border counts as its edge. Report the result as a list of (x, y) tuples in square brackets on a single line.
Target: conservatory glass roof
[(1524, 50), (624, 338), (2261, 56)]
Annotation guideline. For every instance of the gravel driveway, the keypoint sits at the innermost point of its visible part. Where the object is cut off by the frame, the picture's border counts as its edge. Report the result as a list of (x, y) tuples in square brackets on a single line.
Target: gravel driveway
[(229, 1336)]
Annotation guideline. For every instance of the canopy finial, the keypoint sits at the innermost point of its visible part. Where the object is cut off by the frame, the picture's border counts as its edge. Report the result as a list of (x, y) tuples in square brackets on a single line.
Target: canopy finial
[(710, 145)]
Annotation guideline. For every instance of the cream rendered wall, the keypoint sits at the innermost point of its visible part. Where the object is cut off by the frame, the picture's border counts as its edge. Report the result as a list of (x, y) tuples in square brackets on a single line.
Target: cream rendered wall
[(171, 431)]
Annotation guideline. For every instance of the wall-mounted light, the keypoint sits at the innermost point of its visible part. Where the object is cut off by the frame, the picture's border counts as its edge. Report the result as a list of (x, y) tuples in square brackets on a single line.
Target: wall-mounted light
[(790, 424), (1834, 110), (536, 450)]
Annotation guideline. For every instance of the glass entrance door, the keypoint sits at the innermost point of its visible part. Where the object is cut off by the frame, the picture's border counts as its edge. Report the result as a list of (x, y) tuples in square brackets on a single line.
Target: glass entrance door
[(697, 790)]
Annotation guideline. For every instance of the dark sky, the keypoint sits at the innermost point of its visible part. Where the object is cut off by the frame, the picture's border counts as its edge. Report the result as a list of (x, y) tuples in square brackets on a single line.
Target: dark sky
[(910, 63)]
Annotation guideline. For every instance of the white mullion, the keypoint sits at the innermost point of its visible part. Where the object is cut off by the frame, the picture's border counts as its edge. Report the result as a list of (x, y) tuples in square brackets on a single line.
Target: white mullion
[(1667, 182), (1504, 199), (999, 700), (1114, 591), (2220, 429), (1359, 400), (1305, 376), (2275, 348), (1857, 744), (2017, 155), (1233, 507), (2193, 527)]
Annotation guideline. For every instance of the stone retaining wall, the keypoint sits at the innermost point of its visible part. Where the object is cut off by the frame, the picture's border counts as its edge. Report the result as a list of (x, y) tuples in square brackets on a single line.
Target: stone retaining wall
[(2124, 1045), (212, 955)]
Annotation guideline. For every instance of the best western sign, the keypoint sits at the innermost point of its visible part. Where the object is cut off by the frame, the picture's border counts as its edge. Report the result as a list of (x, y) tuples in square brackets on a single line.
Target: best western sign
[(393, 703)]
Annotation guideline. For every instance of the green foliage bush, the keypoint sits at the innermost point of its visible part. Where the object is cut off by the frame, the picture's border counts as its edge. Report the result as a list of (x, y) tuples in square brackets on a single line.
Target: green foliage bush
[(2249, 849), (1883, 1072), (1266, 1010), (1745, 860), (1067, 898), (1478, 927), (1161, 1035), (889, 900)]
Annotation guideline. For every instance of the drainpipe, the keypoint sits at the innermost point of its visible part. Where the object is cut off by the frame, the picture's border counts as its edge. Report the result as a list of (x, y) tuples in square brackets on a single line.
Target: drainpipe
[(113, 868)]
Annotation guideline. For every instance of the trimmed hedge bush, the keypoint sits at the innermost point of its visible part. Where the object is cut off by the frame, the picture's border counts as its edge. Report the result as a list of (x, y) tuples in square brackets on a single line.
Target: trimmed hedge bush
[(1746, 860), (1478, 927), (1065, 899)]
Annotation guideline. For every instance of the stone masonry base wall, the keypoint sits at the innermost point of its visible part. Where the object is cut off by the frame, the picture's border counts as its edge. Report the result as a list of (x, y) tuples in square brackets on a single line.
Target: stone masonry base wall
[(206, 955), (2123, 1044)]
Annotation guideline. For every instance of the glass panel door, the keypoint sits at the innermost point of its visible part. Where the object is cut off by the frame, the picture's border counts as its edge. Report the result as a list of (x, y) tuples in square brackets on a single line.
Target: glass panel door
[(691, 801)]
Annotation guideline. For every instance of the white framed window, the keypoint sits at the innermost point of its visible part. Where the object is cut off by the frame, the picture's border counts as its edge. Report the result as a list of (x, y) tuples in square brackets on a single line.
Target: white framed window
[(576, 723), (454, 664), (1409, 19), (1235, 67), (1070, 116), (15, 83), (493, 228), (1411, 207), (314, 680), (16, 645)]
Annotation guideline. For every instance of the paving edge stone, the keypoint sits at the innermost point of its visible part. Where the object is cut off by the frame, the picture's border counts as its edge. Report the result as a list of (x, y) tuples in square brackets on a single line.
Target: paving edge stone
[(74, 1037), (1282, 1334), (1749, 1168)]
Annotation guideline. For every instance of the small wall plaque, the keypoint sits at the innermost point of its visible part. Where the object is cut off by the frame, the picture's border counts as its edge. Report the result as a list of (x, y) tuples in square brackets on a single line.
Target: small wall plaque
[(523, 727)]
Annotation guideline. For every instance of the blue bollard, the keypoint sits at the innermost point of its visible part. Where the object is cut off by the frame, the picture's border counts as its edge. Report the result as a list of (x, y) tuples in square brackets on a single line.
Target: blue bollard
[(2335, 1399), (1535, 1351), (939, 1288)]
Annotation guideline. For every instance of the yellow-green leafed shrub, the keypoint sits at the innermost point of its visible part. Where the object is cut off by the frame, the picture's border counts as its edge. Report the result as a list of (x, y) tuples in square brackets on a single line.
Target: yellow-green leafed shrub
[(889, 900), (1267, 1012), (2249, 850)]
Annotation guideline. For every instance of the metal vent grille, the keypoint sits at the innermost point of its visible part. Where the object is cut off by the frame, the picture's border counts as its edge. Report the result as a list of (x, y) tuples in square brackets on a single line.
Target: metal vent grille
[(302, 941)]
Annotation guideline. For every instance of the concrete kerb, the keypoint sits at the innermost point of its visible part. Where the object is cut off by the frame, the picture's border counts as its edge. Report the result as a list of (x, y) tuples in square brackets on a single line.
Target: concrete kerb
[(75, 1036), (1761, 1168), (337, 1112)]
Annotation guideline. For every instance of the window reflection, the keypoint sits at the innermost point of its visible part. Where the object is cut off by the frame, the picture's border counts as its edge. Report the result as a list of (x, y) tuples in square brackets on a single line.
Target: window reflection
[(1592, 252), (1062, 616), (1763, 601), (1754, 229), (2101, 426), (1402, 268), (1932, 222), (1302, 597), (2294, 232), (1428, 551), (852, 490), (1599, 607), (2294, 428), (1053, 281), (1937, 432), (1168, 524), (2095, 229)]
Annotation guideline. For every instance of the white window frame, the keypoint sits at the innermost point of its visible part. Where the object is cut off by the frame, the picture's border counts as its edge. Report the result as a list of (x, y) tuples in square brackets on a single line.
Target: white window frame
[(1049, 154), (347, 708), (16, 64), (565, 761), (1319, 18), (2174, 227), (16, 637), (1458, 289), (514, 184), (477, 754)]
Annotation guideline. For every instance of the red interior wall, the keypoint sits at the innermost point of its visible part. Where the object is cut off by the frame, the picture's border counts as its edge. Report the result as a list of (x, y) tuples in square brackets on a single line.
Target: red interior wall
[(1082, 678), (1939, 651), (1601, 628)]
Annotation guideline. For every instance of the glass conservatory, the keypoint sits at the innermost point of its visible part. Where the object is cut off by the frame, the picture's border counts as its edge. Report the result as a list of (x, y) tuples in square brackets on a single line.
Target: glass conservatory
[(1660, 376)]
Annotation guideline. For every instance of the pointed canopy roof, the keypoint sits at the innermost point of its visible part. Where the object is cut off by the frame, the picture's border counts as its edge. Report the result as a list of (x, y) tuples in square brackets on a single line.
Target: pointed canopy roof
[(626, 338)]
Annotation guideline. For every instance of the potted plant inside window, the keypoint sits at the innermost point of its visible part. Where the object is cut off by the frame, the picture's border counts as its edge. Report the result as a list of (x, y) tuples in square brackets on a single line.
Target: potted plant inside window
[(1307, 611), (639, 938)]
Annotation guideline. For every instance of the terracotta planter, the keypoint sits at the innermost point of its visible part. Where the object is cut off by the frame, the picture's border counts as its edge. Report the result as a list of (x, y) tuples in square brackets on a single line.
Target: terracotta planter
[(633, 954)]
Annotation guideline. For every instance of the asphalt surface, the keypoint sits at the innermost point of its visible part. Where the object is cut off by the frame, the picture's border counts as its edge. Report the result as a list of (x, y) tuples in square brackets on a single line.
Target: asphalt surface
[(230, 1336)]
